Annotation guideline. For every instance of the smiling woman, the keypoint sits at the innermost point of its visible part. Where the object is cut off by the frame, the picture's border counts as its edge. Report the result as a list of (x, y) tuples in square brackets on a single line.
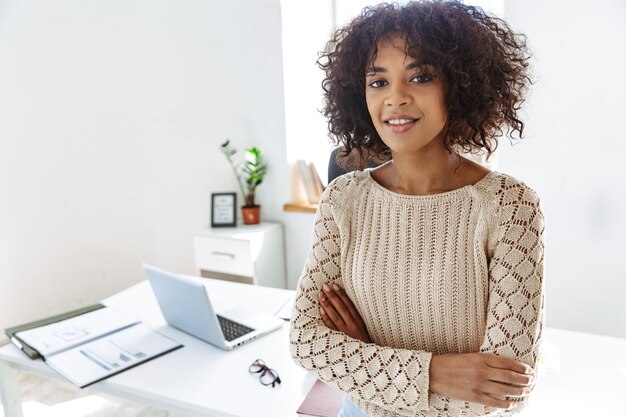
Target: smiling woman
[(423, 290)]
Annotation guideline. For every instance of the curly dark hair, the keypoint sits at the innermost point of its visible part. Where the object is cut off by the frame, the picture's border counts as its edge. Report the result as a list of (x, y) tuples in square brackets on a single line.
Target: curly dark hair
[(484, 64)]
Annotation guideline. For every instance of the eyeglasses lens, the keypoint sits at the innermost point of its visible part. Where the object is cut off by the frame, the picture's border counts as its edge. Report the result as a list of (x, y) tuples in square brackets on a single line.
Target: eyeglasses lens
[(257, 366), (269, 377)]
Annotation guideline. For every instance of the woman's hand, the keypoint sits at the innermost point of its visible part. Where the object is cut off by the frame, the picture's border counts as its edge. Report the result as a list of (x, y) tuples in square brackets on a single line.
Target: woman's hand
[(481, 378), (339, 313)]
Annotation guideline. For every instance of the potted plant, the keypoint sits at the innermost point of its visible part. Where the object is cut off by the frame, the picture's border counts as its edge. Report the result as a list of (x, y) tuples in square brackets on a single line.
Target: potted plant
[(250, 169)]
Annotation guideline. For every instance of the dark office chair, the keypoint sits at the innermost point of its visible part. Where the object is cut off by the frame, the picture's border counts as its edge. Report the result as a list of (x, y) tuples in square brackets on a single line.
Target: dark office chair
[(339, 164)]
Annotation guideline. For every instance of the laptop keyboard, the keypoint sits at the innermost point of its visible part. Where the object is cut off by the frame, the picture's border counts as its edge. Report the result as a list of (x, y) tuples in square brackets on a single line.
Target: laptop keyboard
[(232, 330)]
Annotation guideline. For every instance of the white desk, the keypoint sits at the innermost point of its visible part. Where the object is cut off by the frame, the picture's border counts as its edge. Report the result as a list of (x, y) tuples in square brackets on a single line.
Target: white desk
[(585, 375), (199, 379)]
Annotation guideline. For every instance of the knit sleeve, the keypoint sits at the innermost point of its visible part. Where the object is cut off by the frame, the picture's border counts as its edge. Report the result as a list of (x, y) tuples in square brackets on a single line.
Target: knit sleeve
[(514, 314), (515, 309), (393, 379)]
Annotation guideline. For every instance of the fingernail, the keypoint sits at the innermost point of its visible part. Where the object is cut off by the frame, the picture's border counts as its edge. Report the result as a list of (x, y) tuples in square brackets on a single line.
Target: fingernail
[(322, 298), (326, 288), (336, 287)]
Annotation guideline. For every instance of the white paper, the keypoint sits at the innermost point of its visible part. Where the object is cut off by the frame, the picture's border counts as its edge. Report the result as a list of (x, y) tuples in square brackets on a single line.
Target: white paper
[(286, 309), (56, 337), (111, 354)]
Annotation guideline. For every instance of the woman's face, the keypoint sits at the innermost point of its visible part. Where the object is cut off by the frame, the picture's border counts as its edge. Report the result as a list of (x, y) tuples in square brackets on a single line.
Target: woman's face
[(405, 99)]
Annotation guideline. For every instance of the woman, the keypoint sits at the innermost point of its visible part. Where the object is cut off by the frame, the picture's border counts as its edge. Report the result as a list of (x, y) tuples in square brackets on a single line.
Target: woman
[(422, 292)]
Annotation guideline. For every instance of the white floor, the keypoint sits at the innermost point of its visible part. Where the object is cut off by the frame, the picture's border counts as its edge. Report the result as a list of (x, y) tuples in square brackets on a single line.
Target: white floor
[(43, 397)]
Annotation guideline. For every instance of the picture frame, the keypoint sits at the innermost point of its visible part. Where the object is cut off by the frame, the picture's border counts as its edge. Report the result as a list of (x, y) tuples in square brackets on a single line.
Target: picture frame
[(223, 209)]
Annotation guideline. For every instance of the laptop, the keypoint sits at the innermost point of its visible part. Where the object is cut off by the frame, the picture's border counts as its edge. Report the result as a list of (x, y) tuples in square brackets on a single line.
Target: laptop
[(186, 305)]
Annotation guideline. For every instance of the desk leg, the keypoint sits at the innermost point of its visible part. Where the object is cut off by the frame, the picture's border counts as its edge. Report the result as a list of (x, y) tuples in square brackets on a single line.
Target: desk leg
[(10, 391)]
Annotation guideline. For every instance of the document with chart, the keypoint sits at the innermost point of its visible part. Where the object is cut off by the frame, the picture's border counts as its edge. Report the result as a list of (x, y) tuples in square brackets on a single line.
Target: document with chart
[(93, 346)]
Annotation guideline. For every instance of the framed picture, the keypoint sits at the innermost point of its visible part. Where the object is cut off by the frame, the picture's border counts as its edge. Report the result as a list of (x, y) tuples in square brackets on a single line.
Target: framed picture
[(223, 209)]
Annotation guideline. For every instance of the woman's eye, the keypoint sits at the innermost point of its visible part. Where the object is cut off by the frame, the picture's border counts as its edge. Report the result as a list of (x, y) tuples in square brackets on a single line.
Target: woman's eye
[(422, 78), (377, 84)]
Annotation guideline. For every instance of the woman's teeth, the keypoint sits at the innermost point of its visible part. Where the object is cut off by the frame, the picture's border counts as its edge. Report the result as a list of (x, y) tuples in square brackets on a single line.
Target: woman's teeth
[(400, 121)]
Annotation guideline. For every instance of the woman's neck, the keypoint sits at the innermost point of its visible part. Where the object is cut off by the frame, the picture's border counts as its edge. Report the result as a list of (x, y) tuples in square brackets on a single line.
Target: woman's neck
[(424, 174), (428, 172)]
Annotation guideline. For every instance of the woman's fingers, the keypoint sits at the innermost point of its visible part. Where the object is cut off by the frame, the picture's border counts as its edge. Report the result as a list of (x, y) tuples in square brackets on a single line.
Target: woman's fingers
[(498, 390), (504, 376), (327, 321), (331, 312), (338, 303), (502, 362), (341, 293), (508, 376)]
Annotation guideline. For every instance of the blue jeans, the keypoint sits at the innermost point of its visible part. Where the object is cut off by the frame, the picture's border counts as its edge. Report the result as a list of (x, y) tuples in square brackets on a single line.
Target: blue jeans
[(350, 410)]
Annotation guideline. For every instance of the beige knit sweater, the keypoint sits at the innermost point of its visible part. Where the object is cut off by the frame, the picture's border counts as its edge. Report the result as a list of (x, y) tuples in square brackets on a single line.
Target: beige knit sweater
[(456, 272)]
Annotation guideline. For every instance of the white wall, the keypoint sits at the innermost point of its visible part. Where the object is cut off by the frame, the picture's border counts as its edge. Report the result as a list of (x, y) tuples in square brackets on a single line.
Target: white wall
[(111, 115), (573, 156), (305, 32)]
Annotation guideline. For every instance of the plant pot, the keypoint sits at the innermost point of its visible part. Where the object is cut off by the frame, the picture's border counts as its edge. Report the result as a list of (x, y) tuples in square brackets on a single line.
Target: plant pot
[(251, 214)]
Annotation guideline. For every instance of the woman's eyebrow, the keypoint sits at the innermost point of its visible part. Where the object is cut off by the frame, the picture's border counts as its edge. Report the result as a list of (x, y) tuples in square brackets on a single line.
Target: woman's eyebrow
[(373, 70), (412, 65), (416, 64)]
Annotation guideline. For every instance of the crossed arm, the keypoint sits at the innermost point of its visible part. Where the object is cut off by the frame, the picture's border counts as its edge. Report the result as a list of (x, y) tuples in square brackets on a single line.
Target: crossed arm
[(477, 377)]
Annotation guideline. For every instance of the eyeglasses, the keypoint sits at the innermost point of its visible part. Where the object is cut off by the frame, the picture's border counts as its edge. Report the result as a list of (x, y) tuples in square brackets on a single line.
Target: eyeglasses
[(268, 376)]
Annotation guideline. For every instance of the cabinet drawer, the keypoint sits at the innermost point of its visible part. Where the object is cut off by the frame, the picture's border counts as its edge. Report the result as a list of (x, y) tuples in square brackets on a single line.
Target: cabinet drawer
[(231, 256)]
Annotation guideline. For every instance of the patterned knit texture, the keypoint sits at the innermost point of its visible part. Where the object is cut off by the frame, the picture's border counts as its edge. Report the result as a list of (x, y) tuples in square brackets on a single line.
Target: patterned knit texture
[(456, 272)]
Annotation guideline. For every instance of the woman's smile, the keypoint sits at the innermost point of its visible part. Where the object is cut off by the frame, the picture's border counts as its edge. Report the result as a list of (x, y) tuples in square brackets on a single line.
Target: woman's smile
[(400, 123)]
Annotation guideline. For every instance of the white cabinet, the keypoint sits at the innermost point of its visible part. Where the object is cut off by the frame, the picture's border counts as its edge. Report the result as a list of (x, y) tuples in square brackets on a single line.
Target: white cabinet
[(248, 254)]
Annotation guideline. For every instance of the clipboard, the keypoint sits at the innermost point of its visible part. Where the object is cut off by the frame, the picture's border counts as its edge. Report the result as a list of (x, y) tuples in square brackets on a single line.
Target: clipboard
[(27, 349)]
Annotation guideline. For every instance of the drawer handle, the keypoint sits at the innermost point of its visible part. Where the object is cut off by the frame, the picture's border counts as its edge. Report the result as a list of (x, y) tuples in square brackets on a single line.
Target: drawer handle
[(223, 255)]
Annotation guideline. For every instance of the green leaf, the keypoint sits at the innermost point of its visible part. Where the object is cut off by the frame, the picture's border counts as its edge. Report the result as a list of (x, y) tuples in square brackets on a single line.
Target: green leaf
[(249, 168)]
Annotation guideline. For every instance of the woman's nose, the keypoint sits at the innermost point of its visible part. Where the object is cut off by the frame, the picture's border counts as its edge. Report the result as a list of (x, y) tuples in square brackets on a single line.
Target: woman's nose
[(398, 96)]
